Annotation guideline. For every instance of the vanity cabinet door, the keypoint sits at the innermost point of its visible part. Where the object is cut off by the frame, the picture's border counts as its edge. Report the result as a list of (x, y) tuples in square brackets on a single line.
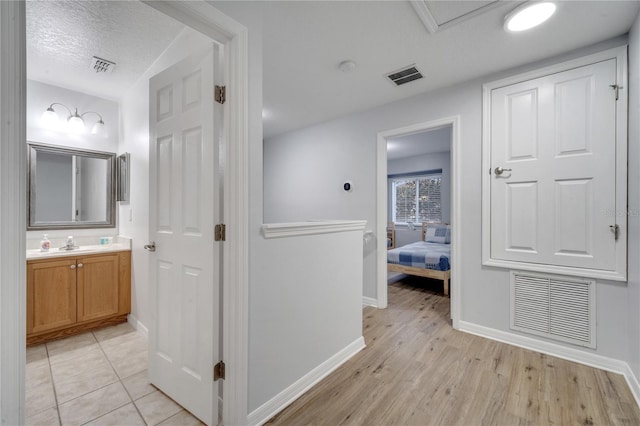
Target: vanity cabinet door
[(98, 278), (51, 294)]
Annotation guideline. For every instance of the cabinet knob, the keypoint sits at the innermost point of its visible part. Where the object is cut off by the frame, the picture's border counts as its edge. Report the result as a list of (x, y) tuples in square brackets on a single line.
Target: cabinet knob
[(80, 265), (72, 266)]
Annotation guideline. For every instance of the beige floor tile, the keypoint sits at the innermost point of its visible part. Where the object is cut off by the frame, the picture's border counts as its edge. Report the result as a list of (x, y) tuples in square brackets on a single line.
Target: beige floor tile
[(37, 373), (131, 364), (93, 405), (127, 354), (90, 359), (36, 353), (70, 344), (47, 417), (123, 416), (138, 385), (108, 333), (157, 407), (183, 418), (39, 398), (69, 387)]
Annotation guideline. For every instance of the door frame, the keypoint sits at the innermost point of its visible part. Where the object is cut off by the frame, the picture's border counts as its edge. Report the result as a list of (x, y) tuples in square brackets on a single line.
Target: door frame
[(456, 222), (206, 19)]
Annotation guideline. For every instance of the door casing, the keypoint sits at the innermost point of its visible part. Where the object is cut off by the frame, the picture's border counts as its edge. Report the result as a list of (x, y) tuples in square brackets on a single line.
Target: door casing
[(234, 37)]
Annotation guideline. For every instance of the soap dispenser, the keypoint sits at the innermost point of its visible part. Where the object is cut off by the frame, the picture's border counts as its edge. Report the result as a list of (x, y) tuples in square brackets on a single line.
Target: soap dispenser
[(45, 244)]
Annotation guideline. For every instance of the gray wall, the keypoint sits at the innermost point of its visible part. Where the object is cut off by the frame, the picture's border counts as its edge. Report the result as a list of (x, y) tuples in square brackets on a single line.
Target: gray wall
[(327, 153)]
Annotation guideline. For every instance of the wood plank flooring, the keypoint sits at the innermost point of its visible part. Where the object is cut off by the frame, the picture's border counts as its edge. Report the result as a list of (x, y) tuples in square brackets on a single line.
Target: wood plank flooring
[(417, 370)]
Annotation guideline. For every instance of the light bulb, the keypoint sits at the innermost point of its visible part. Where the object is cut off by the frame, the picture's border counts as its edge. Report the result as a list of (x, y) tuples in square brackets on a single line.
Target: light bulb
[(529, 15), (98, 128), (50, 119), (76, 124)]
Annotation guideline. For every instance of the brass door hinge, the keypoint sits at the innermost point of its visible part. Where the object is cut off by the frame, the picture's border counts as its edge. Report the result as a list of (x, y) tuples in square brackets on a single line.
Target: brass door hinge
[(221, 232), (221, 94), (218, 371)]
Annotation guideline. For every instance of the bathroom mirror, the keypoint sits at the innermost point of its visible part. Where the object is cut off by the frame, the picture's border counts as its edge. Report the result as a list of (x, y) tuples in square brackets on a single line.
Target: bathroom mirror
[(70, 188)]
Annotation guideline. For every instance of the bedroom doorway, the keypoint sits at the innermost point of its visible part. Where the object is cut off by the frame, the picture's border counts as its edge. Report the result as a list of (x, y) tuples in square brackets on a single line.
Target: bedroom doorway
[(421, 154)]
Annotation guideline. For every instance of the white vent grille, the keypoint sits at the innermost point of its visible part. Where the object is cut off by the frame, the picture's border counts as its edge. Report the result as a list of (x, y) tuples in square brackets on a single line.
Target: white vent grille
[(556, 307), (405, 75), (100, 65)]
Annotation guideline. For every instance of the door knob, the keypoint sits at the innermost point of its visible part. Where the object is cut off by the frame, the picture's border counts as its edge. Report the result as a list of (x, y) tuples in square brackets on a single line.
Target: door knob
[(151, 246), (72, 266), (80, 265), (499, 170)]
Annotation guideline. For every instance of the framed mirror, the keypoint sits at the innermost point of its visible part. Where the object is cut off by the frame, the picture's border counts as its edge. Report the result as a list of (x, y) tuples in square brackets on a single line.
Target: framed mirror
[(70, 188)]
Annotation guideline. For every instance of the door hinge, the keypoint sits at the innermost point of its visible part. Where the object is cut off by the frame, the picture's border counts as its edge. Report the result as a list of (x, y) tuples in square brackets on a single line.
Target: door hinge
[(218, 371), (616, 231), (221, 232), (616, 88), (221, 94)]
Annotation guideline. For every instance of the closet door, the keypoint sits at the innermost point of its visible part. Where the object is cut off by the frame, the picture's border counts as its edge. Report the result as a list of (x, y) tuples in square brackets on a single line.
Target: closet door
[(553, 169)]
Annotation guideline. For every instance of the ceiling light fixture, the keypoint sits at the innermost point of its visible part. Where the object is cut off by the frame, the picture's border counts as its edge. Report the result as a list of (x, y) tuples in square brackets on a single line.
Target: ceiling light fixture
[(75, 121), (347, 66), (529, 15)]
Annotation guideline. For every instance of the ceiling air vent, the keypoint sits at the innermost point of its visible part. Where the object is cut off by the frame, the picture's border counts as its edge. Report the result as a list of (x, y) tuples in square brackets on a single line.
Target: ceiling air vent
[(100, 65), (405, 75)]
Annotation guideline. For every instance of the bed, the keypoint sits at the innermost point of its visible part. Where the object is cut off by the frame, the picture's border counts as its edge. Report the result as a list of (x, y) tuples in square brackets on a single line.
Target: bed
[(428, 258), (391, 235)]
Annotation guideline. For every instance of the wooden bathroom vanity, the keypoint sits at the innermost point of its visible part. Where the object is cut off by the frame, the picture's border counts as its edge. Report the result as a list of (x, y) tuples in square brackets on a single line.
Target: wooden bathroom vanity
[(69, 293)]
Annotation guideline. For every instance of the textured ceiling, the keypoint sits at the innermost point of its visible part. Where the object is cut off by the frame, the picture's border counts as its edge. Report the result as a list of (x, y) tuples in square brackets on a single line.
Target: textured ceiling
[(304, 41), (63, 36)]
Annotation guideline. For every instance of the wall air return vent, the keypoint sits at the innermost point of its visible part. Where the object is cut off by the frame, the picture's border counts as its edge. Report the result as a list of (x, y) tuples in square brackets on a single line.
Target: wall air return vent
[(405, 75), (100, 65), (555, 307)]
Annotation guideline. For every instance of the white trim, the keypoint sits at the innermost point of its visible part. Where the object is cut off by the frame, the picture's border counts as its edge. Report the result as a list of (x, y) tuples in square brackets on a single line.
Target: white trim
[(421, 8), (279, 402), (13, 160), (369, 301), (558, 351), (137, 325), (204, 17), (620, 273), (456, 217), (296, 229)]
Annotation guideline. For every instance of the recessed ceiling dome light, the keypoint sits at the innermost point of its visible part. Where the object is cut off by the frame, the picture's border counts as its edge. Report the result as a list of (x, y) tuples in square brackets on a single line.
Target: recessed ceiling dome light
[(347, 66), (529, 15)]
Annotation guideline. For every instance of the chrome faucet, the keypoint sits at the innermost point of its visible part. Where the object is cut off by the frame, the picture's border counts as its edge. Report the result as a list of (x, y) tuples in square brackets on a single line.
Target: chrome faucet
[(70, 245)]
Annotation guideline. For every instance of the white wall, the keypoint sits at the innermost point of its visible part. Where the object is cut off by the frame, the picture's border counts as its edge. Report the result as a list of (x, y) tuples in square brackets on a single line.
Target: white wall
[(324, 153), (633, 297), (134, 222), (39, 97)]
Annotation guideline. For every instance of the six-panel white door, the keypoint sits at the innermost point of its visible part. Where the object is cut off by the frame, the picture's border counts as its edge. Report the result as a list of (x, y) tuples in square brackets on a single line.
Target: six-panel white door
[(185, 268), (557, 135)]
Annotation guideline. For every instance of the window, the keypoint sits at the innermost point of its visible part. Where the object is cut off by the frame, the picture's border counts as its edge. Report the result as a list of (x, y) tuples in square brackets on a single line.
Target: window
[(416, 198)]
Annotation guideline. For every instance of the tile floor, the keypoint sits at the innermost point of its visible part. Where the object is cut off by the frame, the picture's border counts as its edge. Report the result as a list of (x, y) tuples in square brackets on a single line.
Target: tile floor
[(96, 378)]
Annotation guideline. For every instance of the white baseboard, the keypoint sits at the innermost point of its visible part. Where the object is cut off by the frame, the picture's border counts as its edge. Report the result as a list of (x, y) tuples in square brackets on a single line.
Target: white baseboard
[(140, 327), (279, 402), (559, 351), (369, 301)]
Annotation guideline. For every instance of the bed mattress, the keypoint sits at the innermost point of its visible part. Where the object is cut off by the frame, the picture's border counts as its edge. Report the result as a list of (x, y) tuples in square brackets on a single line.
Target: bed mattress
[(422, 255)]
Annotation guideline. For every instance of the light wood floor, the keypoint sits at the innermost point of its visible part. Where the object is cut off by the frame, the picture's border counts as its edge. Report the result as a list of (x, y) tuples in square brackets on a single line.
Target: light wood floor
[(417, 370)]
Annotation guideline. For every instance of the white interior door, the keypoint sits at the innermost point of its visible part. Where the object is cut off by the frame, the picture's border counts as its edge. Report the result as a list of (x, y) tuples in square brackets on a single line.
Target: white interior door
[(555, 136), (184, 208)]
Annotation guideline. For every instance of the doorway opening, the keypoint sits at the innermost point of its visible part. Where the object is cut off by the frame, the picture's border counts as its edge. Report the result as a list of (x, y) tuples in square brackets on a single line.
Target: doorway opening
[(445, 133)]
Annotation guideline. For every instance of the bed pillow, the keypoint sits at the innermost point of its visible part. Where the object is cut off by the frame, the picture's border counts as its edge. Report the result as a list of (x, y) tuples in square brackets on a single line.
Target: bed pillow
[(437, 234)]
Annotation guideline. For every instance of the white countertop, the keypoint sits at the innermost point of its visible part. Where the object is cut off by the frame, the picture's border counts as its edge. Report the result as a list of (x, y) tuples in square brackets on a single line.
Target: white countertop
[(80, 251)]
